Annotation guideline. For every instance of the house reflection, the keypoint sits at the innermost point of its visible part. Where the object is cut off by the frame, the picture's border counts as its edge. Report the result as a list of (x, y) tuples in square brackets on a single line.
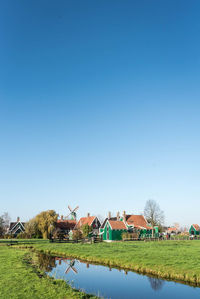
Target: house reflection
[(156, 284)]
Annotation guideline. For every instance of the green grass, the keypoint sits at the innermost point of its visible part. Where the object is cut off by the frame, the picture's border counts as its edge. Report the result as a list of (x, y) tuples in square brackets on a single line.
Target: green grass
[(19, 279), (176, 260)]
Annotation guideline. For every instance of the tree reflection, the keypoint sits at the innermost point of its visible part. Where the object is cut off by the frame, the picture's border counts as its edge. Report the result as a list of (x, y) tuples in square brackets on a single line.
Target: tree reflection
[(156, 283), (46, 262)]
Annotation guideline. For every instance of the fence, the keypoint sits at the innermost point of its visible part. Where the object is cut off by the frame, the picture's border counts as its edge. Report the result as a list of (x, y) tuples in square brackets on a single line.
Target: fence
[(9, 242), (89, 240), (141, 239), (165, 238)]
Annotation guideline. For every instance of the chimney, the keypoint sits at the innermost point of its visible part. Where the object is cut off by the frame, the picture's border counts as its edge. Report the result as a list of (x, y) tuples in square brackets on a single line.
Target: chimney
[(124, 215), (117, 216), (62, 218), (88, 214), (109, 215), (18, 219)]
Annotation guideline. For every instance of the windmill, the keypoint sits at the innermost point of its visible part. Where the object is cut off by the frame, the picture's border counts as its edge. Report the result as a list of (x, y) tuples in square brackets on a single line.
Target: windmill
[(71, 267), (72, 212)]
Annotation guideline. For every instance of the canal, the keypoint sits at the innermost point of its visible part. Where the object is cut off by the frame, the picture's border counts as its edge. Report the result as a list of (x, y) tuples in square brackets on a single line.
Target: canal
[(113, 283)]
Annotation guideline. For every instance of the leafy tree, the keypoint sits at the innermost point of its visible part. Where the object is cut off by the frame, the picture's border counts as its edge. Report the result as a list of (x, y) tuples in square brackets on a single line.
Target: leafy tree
[(32, 229), (46, 221), (153, 214), (86, 229)]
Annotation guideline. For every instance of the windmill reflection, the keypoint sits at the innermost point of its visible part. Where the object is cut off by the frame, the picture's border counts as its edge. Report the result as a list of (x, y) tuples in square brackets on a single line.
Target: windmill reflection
[(156, 284), (71, 267)]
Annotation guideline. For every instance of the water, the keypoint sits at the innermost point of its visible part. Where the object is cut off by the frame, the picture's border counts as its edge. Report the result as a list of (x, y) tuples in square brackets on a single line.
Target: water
[(113, 283)]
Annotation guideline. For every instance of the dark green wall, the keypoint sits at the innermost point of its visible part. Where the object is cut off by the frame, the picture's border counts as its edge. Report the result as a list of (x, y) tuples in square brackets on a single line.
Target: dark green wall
[(193, 231), (114, 235)]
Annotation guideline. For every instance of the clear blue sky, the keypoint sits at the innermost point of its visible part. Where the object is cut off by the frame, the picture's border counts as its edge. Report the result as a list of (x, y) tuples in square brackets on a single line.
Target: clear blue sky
[(100, 107)]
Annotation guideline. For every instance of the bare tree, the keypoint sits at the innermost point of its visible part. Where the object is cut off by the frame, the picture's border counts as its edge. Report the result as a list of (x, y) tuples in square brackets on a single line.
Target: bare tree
[(7, 219), (1, 226), (156, 283), (153, 214), (4, 223)]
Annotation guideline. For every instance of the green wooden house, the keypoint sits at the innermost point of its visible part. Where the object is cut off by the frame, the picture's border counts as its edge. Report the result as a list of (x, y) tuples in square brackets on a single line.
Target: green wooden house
[(194, 230), (138, 223), (113, 228)]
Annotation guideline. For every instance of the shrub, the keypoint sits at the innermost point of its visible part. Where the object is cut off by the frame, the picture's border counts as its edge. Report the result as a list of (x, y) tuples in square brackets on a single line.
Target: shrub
[(130, 236), (77, 234)]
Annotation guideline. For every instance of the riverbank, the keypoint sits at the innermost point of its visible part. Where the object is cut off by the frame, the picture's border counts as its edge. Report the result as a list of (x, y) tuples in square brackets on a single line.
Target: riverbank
[(19, 278), (173, 260)]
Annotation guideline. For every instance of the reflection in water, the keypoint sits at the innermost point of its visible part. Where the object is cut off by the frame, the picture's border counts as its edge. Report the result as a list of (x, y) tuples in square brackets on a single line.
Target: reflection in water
[(46, 262), (112, 283), (156, 283), (71, 267)]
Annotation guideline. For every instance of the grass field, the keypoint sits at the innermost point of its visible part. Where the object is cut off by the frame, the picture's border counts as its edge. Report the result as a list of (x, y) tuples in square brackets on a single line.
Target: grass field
[(177, 260), (19, 279)]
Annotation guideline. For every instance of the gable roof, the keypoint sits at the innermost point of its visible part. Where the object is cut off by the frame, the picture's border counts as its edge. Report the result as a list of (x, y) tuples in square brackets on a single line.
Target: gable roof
[(13, 225), (112, 218), (138, 221), (116, 224), (196, 227), (86, 220)]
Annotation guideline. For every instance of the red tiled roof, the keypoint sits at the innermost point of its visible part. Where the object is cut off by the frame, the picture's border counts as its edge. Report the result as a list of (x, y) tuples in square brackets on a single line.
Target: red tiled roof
[(138, 221), (117, 224), (112, 218), (196, 226), (86, 220)]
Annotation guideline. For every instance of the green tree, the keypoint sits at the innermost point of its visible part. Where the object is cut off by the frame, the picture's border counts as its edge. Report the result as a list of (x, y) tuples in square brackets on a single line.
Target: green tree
[(32, 229), (86, 229), (46, 222)]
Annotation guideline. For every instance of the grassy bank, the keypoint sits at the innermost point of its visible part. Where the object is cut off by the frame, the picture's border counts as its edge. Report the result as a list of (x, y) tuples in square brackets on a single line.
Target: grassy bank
[(176, 260), (19, 279)]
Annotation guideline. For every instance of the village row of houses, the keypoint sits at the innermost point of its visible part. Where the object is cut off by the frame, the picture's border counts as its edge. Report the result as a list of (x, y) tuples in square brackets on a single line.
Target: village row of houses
[(111, 229)]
